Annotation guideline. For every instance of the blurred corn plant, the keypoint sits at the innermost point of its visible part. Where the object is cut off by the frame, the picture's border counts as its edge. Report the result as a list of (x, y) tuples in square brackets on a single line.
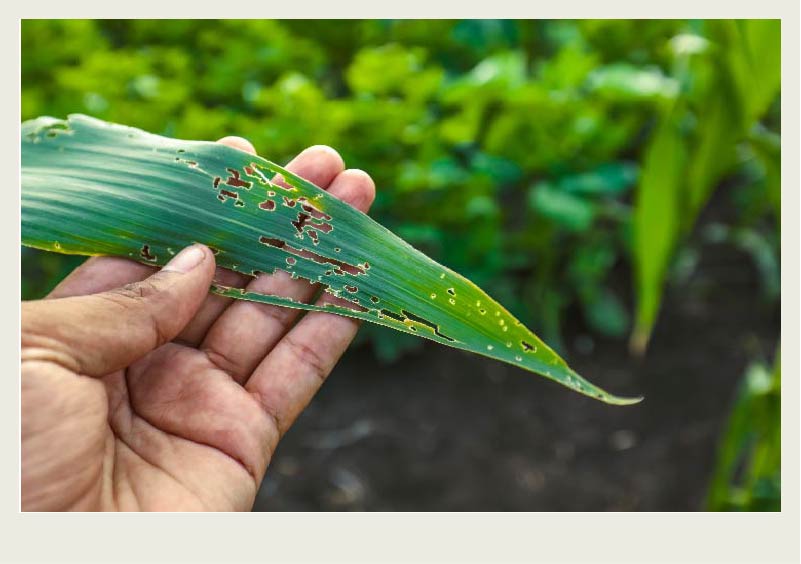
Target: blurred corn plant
[(543, 160), (748, 471), (725, 85)]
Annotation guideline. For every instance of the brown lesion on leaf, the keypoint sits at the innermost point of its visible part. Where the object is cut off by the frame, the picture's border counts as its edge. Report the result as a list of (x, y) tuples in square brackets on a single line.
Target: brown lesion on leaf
[(144, 252), (340, 267), (305, 224), (224, 195), (312, 210), (528, 347), (299, 223), (268, 205), (352, 289), (289, 202), (236, 181), (451, 291), (374, 299)]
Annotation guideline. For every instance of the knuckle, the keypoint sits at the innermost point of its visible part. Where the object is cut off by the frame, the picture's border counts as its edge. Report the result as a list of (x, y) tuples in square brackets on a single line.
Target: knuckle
[(309, 357), (139, 297), (138, 291), (225, 363)]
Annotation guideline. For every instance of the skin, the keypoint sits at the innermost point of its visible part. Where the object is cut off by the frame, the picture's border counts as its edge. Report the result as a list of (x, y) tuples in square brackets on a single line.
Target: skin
[(141, 391)]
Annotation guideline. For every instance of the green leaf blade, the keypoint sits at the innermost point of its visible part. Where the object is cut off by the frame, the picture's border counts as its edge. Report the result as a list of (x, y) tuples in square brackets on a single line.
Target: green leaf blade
[(95, 188)]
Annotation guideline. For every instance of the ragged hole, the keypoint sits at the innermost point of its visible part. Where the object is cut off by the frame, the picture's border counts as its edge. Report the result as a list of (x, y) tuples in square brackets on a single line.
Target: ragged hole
[(144, 252), (341, 267), (312, 210), (223, 195), (235, 181), (433, 326)]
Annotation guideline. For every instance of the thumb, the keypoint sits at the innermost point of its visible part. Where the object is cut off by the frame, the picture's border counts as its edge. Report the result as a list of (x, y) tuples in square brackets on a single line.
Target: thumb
[(100, 333)]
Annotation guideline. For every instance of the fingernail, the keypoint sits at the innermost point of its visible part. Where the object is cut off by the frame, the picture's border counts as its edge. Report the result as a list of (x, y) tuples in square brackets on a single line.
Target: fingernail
[(186, 260)]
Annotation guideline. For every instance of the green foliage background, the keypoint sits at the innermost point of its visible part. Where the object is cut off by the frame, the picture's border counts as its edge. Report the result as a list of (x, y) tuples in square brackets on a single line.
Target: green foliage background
[(542, 159)]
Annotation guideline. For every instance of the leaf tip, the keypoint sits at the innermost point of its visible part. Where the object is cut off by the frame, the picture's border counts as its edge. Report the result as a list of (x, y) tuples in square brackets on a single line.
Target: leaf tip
[(616, 400)]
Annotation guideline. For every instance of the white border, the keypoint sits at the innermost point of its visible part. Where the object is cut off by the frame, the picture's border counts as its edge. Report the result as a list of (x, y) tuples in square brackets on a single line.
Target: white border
[(567, 537)]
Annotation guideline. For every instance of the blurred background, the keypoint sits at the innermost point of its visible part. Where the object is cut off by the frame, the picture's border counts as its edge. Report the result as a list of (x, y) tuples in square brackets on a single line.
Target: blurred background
[(616, 184)]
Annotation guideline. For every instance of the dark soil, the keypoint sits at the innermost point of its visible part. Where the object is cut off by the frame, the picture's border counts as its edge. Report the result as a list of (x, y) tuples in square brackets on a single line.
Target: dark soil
[(443, 430)]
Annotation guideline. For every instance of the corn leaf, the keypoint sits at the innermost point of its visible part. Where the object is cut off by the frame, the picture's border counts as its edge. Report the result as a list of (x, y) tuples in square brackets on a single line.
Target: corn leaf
[(656, 223), (94, 188)]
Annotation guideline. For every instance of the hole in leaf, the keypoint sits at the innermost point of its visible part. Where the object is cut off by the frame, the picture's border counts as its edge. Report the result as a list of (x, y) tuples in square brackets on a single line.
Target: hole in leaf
[(393, 315), (225, 194), (235, 181), (426, 322), (313, 211), (144, 252), (340, 266)]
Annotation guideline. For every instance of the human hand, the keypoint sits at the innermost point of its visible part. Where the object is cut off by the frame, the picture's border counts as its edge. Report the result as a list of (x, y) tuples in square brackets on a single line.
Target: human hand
[(142, 391)]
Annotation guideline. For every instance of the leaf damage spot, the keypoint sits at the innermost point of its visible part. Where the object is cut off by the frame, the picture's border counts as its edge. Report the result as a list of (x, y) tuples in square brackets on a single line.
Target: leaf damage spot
[(305, 224), (235, 180), (433, 326), (313, 211), (340, 267), (224, 195), (144, 252)]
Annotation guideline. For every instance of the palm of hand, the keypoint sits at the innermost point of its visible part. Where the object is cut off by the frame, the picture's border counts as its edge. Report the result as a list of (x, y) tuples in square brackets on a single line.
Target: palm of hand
[(173, 431), (192, 424)]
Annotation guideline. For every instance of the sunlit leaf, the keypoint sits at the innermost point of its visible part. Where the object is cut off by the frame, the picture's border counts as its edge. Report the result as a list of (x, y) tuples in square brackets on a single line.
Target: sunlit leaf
[(656, 223), (90, 187), (622, 81)]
